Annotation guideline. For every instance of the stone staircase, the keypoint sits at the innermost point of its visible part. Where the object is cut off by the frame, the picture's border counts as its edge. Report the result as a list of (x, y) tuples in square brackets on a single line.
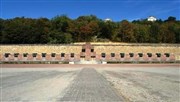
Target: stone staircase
[(88, 62)]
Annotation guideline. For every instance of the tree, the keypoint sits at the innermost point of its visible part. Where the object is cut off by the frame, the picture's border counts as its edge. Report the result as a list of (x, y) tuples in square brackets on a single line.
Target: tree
[(107, 30), (62, 29), (171, 19), (17, 30), (154, 32), (141, 33), (177, 32), (89, 30), (60, 23), (59, 38), (1, 28), (42, 30), (87, 18), (126, 31), (84, 28)]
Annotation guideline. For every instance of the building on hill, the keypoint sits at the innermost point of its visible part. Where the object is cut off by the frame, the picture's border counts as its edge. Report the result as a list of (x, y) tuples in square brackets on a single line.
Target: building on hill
[(108, 19), (151, 18)]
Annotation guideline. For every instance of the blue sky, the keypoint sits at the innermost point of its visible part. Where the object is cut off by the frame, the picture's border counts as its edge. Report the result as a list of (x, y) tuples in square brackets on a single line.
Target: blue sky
[(117, 10)]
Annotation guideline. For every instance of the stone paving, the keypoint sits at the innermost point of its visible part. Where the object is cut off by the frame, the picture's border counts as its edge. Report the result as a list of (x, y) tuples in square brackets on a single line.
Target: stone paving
[(90, 86)]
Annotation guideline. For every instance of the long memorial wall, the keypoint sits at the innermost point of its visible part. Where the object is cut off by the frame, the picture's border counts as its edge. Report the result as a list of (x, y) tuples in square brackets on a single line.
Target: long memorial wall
[(89, 52)]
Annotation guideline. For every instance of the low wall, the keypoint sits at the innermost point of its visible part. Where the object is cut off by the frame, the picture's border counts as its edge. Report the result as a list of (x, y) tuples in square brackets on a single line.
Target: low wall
[(76, 49)]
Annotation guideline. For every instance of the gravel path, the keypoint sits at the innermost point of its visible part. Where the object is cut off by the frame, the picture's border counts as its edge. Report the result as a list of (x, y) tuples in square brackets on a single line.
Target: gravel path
[(90, 86), (43, 85), (145, 84)]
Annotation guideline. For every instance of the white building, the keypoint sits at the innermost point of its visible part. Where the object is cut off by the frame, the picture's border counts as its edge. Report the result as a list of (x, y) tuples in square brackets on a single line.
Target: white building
[(152, 18), (107, 19)]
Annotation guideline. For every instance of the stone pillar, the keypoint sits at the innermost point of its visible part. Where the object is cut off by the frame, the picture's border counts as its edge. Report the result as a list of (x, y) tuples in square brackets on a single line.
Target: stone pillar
[(58, 57), (29, 57), (39, 57), (20, 57), (48, 57)]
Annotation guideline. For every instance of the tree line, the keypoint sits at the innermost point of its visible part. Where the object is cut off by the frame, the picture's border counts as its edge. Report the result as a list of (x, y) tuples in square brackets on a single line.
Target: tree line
[(62, 29)]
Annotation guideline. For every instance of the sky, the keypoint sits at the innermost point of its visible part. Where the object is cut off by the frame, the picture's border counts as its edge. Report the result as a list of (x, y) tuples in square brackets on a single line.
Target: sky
[(116, 10)]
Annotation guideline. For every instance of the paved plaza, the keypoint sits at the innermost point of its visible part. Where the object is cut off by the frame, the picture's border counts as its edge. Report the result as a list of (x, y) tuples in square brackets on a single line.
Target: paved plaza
[(91, 84)]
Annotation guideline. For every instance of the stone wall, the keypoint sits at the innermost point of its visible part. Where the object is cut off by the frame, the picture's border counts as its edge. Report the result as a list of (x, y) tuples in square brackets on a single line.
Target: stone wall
[(99, 48), (40, 49), (136, 49)]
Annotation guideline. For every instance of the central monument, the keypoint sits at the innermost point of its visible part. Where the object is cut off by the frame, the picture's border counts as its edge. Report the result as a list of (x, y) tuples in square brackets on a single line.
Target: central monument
[(87, 54)]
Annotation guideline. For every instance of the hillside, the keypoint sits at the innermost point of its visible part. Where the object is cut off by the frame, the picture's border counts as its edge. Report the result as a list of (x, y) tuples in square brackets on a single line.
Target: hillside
[(64, 30)]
